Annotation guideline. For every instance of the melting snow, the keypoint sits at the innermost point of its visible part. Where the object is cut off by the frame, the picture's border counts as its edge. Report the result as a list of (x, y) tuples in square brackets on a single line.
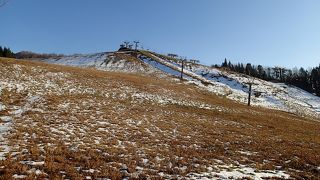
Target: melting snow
[(17, 176), (230, 85), (233, 86), (240, 173), (4, 127)]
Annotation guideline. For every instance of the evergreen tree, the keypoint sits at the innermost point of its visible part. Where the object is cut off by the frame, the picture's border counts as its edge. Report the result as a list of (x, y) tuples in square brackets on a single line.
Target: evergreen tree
[(268, 74), (225, 63), (260, 71), (317, 90), (315, 80), (308, 81), (6, 52), (1, 52), (230, 66), (242, 70), (248, 69)]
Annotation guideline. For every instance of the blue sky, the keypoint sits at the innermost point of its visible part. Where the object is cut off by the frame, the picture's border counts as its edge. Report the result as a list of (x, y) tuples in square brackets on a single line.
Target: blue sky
[(269, 32)]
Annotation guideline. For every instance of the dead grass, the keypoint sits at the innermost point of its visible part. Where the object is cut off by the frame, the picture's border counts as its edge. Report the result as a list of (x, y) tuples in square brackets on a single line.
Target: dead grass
[(86, 133)]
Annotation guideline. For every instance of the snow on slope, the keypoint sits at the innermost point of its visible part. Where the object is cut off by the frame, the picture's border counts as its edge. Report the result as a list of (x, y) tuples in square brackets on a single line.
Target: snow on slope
[(103, 61), (81, 123), (231, 85), (5, 123), (266, 94), (162, 67), (175, 67)]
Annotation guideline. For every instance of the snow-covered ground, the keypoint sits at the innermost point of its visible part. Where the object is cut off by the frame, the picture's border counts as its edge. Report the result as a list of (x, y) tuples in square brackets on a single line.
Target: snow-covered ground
[(107, 61), (266, 94), (238, 172), (230, 85), (5, 123), (136, 125)]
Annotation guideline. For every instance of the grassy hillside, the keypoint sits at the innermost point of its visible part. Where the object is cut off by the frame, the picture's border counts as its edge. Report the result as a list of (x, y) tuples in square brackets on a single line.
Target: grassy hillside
[(65, 122)]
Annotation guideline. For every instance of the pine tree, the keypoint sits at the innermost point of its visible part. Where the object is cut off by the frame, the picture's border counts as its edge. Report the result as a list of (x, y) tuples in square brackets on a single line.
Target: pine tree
[(1, 52), (318, 82), (242, 70), (229, 65), (225, 63), (315, 80), (268, 74), (260, 71), (7, 52), (248, 69), (308, 81)]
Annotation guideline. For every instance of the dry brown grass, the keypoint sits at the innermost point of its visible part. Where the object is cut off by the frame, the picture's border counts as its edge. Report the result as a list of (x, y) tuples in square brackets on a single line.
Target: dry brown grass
[(169, 135)]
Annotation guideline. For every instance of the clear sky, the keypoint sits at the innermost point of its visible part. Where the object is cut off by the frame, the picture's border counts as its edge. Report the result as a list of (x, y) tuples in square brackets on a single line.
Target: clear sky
[(269, 32)]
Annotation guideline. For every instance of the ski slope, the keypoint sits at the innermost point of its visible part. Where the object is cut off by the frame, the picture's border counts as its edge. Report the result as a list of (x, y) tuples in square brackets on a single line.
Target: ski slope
[(227, 84), (266, 94), (96, 124), (107, 61)]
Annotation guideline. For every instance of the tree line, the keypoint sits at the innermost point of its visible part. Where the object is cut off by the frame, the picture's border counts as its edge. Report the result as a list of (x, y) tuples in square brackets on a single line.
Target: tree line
[(308, 80), (6, 52), (32, 55)]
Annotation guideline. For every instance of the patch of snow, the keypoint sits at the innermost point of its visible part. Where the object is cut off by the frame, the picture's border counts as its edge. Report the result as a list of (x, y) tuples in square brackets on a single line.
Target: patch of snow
[(90, 171), (33, 99), (228, 84), (4, 128), (145, 161), (18, 112), (33, 163), (2, 107), (240, 172), (6, 118), (35, 171), (106, 61), (248, 153), (164, 65), (17, 176), (234, 86)]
